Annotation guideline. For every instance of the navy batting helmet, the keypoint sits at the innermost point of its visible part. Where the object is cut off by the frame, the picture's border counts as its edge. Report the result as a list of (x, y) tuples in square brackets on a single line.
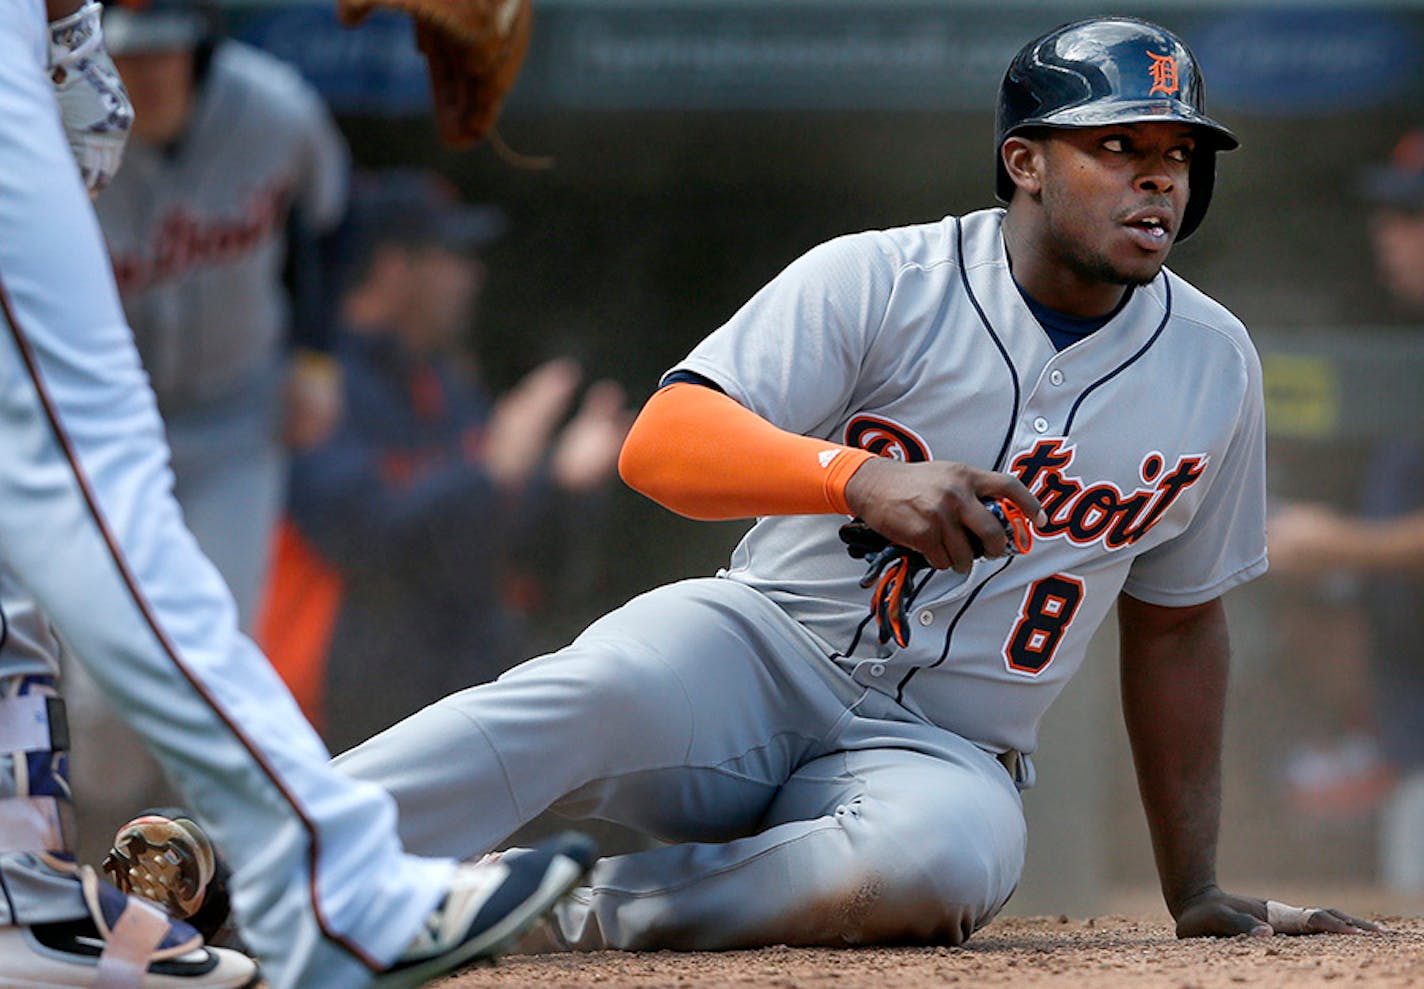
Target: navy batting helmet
[(1111, 70)]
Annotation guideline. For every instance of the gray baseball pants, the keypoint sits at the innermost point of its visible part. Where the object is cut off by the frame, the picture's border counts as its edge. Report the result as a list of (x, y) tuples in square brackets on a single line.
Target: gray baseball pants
[(801, 808)]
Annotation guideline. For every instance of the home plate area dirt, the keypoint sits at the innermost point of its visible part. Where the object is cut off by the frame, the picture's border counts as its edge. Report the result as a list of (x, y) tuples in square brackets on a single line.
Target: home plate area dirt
[(1110, 951)]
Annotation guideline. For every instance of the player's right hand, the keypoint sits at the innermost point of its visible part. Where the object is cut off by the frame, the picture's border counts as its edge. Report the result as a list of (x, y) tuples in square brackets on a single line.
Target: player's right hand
[(931, 507), (93, 104)]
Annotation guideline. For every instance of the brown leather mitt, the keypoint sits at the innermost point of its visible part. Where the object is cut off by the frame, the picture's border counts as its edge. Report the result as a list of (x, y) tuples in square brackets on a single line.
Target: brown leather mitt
[(474, 50)]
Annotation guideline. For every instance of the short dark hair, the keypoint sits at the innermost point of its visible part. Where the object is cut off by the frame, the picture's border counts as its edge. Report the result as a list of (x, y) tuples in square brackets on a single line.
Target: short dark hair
[(412, 209)]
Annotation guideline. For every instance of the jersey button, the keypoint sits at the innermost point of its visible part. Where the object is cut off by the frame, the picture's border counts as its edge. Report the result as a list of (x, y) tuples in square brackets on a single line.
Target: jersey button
[(877, 670), (1056, 376), (1040, 425), (926, 617)]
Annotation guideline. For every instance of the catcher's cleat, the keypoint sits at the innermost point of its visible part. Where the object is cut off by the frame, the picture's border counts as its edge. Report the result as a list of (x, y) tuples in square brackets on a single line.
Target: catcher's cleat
[(491, 903), (124, 941), (163, 855)]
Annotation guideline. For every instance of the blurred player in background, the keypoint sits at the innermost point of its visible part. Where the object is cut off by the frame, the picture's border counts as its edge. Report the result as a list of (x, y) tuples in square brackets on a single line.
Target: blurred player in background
[(420, 496), (235, 171), (92, 540), (235, 164), (1384, 543)]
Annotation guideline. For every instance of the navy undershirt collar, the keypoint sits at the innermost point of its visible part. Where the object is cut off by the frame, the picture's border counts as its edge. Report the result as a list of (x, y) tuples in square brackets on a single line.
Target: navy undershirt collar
[(1064, 330)]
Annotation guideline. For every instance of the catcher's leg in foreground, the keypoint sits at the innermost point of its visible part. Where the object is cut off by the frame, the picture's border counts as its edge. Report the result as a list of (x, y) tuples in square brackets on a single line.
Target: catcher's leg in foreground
[(60, 926), (327, 897)]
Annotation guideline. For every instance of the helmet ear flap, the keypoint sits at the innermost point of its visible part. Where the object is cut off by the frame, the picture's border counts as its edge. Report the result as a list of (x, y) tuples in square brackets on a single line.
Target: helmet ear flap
[(1202, 178)]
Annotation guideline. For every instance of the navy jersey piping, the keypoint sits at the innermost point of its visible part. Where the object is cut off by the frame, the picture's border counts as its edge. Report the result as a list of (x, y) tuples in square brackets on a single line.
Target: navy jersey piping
[(1166, 315), (998, 461), (1003, 351), (949, 632)]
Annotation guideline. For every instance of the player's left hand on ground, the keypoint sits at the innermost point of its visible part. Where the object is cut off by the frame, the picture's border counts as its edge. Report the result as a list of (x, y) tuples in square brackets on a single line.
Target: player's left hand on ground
[(93, 104), (474, 50), (1215, 913)]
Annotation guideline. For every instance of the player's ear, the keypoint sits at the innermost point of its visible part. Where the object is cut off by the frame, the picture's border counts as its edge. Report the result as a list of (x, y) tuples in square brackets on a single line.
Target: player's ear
[(1024, 161)]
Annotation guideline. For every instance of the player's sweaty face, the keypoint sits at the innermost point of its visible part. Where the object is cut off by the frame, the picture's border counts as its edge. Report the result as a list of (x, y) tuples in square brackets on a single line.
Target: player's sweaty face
[(1113, 198)]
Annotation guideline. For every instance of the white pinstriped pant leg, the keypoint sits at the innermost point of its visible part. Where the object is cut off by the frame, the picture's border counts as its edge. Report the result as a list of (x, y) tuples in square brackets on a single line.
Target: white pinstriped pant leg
[(89, 525)]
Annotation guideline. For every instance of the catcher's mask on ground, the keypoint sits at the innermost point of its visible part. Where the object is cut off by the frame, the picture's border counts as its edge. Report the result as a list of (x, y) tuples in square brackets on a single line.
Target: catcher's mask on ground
[(1110, 70)]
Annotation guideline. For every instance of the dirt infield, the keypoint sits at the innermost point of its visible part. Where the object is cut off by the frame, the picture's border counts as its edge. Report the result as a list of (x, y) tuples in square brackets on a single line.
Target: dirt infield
[(1025, 951)]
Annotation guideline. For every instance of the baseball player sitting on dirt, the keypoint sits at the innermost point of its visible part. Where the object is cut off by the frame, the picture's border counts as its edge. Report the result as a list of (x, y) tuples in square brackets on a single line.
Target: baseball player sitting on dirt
[(833, 745)]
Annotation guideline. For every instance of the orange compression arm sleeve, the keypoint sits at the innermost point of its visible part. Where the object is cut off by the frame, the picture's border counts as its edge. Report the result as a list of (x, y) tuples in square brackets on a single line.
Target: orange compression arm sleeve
[(702, 454)]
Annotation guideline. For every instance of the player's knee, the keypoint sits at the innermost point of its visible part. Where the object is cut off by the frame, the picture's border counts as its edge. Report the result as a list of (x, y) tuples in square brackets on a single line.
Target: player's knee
[(895, 902), (976, 852), (937, 881)]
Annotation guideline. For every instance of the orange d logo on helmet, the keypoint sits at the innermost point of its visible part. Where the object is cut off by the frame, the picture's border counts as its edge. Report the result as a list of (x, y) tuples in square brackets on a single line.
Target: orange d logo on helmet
[(1164, 74)]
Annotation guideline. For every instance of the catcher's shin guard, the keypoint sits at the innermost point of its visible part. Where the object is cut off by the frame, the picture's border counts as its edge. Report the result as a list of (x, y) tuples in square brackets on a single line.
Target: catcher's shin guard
[(35, 811), (105, 940)]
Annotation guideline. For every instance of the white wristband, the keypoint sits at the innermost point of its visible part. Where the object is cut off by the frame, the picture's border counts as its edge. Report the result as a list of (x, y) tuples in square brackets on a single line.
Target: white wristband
[(1287, 919)]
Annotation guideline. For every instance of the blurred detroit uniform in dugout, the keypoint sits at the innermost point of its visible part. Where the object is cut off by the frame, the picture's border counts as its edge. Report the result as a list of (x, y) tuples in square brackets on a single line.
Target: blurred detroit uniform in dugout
[(234, 171), (235, 151)]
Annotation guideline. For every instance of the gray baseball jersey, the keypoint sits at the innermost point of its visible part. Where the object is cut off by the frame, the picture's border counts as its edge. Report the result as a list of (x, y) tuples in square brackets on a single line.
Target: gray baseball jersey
[(815, 786), (197, 235), (1145, 442)]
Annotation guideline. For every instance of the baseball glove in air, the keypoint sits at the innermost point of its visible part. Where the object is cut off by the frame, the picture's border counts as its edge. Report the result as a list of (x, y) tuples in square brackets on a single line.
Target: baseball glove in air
[(474, 50)]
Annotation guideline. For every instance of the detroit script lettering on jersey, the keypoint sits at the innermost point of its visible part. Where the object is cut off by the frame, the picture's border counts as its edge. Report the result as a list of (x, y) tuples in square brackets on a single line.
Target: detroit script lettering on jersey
[(186, 240), (1086, 513)]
